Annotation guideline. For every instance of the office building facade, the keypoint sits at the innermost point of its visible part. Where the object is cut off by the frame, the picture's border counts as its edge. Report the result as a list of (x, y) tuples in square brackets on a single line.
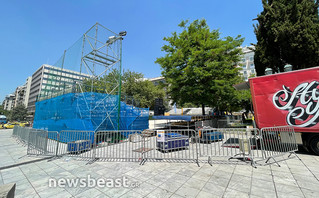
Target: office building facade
[(8, 103), (48, 78), (247, 62), (22, 94)]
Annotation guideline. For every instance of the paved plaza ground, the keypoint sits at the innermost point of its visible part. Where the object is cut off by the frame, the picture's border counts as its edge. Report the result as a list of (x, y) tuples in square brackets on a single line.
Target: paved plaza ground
[(295, 178)]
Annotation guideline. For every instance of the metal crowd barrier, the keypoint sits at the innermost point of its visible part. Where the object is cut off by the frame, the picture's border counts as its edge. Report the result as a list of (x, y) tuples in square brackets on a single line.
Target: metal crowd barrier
[(247, 144), (171, 145), (250, 145), (76, 143), (229, 143), (278, 141), (15, 131), (118, 145), (22, 134), (43, 143)]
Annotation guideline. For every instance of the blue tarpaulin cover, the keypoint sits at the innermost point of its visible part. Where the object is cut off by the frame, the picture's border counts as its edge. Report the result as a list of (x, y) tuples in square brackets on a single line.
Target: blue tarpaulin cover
[(88, 111)]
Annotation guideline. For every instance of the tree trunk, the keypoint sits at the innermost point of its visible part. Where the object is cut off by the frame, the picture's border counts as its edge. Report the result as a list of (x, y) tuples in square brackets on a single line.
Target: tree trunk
[(203, 109)]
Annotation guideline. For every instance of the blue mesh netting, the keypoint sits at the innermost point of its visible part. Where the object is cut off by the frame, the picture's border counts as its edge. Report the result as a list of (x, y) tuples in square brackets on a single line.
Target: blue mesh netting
[(88, 111)]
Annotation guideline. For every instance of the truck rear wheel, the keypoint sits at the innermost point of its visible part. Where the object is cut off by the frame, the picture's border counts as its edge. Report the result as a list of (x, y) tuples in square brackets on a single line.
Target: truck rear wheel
[(314, 145)]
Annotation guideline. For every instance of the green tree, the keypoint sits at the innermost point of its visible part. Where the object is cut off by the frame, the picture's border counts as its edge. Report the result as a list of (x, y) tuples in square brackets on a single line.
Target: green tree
[(4, 112), (141, 90), (287, 33), (105, 84), (134, 90), (199, 65), (19, 113)]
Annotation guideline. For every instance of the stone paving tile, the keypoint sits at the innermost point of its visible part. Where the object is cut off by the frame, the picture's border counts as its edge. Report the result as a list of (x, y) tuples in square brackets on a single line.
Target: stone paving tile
[(175, 169), (75, 190), (255, 196), (171, 186), (262, 174), (160, 178), (50, 192), (93, 192), (220, 181), (159, 193), (307, 182), (148, 175), (243, 170), (203, 194), (195, 183), (134, 173), (22, 182), (179, 178), (41, 185), (310, 193), (115, 192), (144, 189), (24, 189), (231, 193), (286, 190), (223, 174), (202, 176), (186, 172), (13, 179), (258, 183), (131, 194), (11, 172), (187, 191), (214, 189), (29, 193), (287, 179), (64, 194), (266, 191), (242, 185), (176, 196)]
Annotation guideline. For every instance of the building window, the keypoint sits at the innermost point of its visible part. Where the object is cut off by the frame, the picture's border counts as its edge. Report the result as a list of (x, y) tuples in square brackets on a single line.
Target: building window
[(252, 71), (251, 58), (243, 60), (245, 72), (252, 65)]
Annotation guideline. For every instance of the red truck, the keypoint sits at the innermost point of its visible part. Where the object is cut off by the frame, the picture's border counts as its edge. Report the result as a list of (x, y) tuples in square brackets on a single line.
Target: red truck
[(290, 98)]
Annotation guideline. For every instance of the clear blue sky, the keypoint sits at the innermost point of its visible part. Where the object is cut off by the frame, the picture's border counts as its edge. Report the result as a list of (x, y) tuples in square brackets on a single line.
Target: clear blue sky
[(37, 32)]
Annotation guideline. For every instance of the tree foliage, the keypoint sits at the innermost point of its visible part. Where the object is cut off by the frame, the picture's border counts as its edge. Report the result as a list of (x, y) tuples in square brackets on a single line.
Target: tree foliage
[(134, 89), (287, 33), (199, 66), (4, 112), (19, 113), (144, 91)]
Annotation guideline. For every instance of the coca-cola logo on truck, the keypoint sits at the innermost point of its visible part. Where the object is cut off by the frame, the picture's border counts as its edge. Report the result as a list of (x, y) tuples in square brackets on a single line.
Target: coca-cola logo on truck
[(302, 104)]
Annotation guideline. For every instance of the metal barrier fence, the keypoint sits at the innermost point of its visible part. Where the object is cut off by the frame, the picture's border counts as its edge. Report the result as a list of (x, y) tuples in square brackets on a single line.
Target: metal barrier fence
[(118, 145), (248, 145), (15, 131), (231, 143), (171, 145), (277, 141), (22, 134), (43, 143), (76, 143)]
